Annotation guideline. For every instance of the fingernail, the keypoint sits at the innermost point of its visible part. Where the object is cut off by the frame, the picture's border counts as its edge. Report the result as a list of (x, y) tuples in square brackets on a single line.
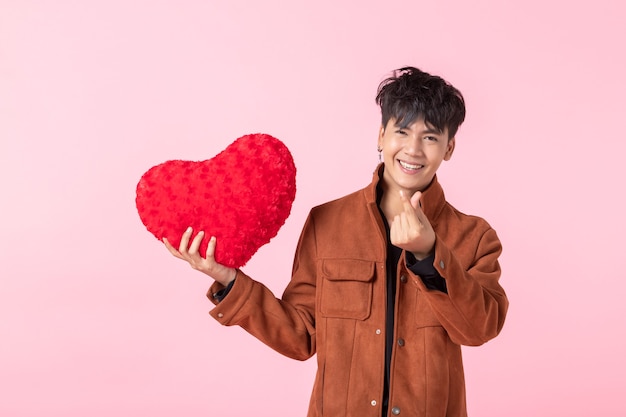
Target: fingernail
[(189, 230)]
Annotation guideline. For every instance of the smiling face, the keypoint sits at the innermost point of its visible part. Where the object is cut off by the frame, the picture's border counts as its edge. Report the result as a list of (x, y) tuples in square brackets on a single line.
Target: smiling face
[(412, 154)]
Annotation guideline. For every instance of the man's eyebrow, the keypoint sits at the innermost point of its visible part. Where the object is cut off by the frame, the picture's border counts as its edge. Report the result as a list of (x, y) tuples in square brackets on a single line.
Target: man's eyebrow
[(432, 129)]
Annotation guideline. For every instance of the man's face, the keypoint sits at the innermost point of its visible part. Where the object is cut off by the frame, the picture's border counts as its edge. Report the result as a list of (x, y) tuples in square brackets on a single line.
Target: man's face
[(412, 154)]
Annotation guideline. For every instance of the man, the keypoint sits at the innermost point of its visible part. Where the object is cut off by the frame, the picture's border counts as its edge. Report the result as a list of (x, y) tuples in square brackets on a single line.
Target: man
[(388, 282)]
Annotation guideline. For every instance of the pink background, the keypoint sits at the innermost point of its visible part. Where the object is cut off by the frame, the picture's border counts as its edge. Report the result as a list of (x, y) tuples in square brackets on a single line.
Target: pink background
[(97, 319)]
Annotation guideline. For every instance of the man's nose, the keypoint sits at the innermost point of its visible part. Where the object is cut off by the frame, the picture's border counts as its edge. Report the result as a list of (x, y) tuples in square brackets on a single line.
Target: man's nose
[(413, 146)]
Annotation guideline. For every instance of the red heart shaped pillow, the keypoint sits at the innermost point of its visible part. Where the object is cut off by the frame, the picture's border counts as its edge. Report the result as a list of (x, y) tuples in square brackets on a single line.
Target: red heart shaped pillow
[(242, 196)]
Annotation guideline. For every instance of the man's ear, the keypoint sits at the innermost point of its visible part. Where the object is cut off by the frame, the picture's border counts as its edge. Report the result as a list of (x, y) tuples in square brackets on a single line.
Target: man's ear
[(381, 133), (449, 149)]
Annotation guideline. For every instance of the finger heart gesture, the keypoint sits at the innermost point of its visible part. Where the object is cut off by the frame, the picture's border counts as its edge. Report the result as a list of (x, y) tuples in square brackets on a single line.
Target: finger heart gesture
[(410, 230)]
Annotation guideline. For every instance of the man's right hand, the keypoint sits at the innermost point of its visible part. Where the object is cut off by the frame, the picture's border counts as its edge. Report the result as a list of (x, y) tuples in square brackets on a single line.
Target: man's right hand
[(190, 252)]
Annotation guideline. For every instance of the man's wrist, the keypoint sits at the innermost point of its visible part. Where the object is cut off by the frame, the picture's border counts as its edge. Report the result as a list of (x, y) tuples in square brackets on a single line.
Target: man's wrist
[(232, 275), (420, 256)]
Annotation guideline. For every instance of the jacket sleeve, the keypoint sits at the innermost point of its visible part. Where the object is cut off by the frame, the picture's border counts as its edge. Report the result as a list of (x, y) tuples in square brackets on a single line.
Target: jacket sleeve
[(474, 309), (287, 325)]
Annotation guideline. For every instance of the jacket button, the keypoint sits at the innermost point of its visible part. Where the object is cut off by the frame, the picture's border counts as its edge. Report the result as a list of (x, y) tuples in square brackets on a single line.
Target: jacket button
[(401, 342), (395, 411), (378, 331), (220, 315), (442, 265), (403, 279), (373, 403)]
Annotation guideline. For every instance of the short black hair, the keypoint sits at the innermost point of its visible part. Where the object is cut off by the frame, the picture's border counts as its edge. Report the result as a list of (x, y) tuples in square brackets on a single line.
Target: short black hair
[(410, 94)]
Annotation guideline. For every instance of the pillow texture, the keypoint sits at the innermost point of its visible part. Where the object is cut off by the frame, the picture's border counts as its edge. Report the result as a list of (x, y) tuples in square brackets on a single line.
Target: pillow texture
[(242, 196)]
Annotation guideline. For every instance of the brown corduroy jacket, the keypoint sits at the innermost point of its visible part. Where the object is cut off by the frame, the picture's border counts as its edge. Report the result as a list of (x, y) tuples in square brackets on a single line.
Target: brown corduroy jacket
[(334, 307)]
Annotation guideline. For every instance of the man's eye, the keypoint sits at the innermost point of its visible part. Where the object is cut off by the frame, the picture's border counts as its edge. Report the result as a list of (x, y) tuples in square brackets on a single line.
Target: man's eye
[(431, 138), (400, 132)]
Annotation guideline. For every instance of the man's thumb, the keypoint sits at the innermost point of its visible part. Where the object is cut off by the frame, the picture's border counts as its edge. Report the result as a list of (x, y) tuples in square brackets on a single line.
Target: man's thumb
[(415, 200)]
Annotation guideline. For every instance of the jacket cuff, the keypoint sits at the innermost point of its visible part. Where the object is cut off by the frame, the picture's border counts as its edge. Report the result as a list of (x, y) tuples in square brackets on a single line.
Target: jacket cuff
[(238, 294), (425, 269)]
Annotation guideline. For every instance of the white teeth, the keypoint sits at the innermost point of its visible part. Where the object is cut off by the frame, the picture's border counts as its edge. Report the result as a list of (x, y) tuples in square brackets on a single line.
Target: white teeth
[(410, 166)]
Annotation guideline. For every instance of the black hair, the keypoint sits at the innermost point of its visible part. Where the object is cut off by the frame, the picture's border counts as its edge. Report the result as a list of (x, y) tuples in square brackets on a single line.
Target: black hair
[(410, 94)]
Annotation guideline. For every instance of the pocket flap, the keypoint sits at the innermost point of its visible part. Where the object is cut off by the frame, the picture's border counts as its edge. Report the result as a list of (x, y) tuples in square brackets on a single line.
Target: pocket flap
[(348, 270)]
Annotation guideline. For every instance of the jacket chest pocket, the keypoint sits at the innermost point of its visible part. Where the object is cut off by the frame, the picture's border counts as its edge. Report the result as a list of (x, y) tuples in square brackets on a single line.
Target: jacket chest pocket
[(346, 288)]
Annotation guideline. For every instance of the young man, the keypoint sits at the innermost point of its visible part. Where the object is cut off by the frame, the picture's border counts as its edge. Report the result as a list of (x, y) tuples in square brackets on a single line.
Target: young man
[(388, 282)]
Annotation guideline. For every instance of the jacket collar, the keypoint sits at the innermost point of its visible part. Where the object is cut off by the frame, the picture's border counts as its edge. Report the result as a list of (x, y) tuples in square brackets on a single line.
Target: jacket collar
[(433, 199)]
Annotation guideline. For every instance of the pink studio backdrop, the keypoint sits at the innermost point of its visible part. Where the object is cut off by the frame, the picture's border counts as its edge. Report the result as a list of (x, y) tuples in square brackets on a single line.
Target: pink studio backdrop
[(97, 319)]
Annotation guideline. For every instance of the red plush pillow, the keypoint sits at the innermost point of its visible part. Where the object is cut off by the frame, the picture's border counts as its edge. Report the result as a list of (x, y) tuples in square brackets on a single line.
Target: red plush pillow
[(242, 196)]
